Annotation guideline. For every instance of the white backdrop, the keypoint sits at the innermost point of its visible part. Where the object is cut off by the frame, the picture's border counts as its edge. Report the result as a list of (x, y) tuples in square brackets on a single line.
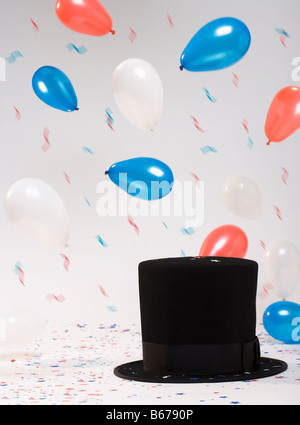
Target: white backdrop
[(266, 68)]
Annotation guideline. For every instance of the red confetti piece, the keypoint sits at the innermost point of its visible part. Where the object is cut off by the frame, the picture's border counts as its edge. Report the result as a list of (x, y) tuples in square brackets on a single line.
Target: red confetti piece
[(245, 125), (66, 262), (197, 180), (35, 27), (235, 79), (67, 177), (130, 220), (285, 175), (263, 245), (46, 144), (278, 212), (21, 275), (102, 291), (267, 287), (170, 21), (18, 114), (60, 298), (132, 35), (197, 124)]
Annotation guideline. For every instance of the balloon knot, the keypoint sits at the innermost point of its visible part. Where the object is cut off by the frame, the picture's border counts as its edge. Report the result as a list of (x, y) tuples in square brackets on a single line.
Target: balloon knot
[(113, 32), (106, 172), (181, 67), (268, 142), (76, 109)]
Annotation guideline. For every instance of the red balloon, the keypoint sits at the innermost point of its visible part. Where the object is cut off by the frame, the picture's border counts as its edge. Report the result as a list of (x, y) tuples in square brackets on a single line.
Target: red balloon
[(225, 241), (283, 117), (84, 16)]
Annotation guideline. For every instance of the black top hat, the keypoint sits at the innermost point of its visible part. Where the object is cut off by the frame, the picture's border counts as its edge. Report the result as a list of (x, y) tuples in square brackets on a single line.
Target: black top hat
[(198, 319)]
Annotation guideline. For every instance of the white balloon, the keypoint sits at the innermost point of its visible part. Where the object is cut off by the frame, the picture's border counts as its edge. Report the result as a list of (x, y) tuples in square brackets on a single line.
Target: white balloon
[(281, 264), (36, 210), (242, 196), (138, 92), (21, 328)]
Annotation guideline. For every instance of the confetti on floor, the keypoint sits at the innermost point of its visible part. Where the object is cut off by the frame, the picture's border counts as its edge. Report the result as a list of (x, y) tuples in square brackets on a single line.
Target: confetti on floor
[(132, 223), (66, 262), (278, 212), (87, 150), (283, 35), (72, 364)]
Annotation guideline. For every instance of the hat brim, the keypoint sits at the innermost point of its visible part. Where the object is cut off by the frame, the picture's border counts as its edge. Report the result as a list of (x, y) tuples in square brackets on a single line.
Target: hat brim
[(134, 371)]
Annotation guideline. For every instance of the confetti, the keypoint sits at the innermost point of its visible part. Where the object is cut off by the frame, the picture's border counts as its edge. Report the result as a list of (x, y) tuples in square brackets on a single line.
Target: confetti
[(187, 230), (109, 118), (283, 35), (21, 276), (66, 262), (46, 145), (235, 80), (17, 267), (101, 241), (81, 50), (197, 124), (263, 245), (67, 177), (196, 178), (209, 96), (170, 21), (164, 224), (35, 27), (88, 202), (13, 56), (131, 222), (112, 308), (17, 114), (59, 298), (102, 291), (245, 125), (278, 212), (87, 150), (285, 175), (250, 143), (182, 252), (132, 35), (206, 149), (267, 287)]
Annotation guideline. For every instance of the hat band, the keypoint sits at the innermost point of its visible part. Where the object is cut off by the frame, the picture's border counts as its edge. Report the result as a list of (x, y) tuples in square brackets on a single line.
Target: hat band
[(201, 359)]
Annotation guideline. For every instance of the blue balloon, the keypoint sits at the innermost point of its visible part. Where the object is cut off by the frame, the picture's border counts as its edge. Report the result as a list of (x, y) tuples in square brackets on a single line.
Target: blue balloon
[(54, 88), (282, 321), (145, 178), (217, 45)]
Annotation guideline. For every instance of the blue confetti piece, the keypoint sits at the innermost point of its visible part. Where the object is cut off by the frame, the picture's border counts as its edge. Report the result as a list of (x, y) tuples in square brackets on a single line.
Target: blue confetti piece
[(206, 149), (187, 230), (13, 56), (165, 224), (88, 202), (250, 143), (17, 268), (100, 240), (182, 252), (209, 95), (112, 308), (87, 150), (281, 31), (81, 50)]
